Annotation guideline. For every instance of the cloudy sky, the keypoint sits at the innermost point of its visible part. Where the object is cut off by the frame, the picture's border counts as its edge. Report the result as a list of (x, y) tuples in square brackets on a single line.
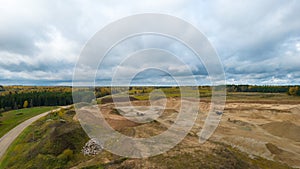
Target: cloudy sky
[(258, 42)]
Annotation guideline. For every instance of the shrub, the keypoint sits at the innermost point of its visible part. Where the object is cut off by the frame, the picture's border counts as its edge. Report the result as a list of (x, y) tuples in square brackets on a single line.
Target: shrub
[(294, 91), (66, 156), (61, 113)]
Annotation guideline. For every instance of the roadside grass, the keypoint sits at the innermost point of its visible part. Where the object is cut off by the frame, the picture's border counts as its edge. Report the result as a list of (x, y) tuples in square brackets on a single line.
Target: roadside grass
[(54, 141), (20, 138), (11, 119)]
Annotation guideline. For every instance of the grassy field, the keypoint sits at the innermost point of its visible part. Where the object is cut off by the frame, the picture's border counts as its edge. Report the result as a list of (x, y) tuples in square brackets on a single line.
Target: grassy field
[(205, 93), (262, 97), (11, 119), (143, 93)]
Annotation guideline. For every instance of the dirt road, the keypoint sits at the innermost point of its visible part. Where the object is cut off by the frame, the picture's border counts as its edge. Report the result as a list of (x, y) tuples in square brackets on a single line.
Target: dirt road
[(9, 137)]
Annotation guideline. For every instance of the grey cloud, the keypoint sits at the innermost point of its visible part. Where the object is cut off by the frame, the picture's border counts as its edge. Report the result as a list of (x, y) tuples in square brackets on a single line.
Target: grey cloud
[(256, 40)]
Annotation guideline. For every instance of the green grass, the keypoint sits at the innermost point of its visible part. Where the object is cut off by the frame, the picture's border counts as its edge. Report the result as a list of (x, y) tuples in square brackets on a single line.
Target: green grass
[(4, 160), (94, 167), (11, 119), (48, 143)]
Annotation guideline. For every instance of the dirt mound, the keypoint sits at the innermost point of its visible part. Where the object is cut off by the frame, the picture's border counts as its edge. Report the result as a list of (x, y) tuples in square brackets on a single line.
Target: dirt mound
[(118, 124), (295, 110), (273, 148), (283, 129), (117, 99), (240, 122)]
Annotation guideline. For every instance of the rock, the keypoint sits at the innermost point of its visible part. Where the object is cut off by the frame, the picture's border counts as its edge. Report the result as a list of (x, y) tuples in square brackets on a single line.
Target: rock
[(140, 114), (219, 113), (92, 147)]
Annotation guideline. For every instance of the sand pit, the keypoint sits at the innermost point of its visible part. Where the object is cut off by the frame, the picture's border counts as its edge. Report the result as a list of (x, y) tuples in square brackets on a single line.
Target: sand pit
[(283, 129), (140, 114), (267, 130)]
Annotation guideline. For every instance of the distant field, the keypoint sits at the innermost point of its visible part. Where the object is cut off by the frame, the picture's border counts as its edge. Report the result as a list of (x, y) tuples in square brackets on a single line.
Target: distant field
[(262, 97), (143, 94), (10, 119), (205, 93)]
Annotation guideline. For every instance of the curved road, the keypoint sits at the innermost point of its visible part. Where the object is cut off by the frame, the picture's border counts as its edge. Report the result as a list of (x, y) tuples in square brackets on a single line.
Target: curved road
[(9, 137)]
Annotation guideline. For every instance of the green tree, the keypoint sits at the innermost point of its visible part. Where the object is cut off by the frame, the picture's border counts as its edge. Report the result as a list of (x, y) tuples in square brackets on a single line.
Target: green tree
[(31, 103), (15, 106)]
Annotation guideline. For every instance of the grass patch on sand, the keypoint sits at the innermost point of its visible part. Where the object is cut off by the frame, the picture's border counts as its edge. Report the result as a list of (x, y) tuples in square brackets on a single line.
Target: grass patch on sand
[(11, 119)]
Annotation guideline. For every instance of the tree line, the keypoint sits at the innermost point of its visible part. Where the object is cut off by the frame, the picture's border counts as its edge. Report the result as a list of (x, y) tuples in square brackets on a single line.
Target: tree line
[(262, 89), (33, 99), (290, 90)]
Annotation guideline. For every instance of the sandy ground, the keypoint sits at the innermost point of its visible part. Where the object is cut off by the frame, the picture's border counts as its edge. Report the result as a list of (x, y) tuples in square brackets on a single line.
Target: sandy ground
[(271, 131), (268, 130)]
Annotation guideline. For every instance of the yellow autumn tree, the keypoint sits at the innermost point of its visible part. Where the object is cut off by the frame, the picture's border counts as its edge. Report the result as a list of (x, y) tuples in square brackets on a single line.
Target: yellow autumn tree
[(25, 105), (61, 113), (293, 90)]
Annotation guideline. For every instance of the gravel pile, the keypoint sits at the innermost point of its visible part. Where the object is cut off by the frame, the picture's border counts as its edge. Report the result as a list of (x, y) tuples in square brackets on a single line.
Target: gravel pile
[(92, 147)]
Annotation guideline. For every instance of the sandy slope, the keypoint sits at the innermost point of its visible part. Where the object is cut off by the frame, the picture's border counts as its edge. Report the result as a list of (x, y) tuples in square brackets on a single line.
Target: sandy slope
[(271, 131)]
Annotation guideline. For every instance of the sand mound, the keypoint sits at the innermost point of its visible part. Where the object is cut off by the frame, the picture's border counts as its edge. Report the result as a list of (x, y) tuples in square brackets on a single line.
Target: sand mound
[(295, 110), (283, 129), (117, 99), (273, 148)]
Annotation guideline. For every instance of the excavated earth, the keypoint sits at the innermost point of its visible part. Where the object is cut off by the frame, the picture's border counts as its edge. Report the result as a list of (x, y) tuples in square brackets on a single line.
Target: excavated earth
[(260, 130)]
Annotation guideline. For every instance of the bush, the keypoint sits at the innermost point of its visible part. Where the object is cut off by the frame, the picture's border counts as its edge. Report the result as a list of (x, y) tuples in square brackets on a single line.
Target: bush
[(61, 113), (1, 110), (294, 91), (66, 156)]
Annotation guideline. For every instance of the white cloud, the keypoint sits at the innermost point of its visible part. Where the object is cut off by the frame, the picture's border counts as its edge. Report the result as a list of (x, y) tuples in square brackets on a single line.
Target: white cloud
[(57, 48), (258, 41), (298, 46)]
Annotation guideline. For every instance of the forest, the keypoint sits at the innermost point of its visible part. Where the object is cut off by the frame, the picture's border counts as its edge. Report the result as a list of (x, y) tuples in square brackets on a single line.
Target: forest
[(290, 90), (16, 97), (34, 99)]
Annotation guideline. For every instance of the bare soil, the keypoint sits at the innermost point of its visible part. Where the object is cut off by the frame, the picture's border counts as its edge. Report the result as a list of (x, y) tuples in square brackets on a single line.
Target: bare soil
[(268, 130)]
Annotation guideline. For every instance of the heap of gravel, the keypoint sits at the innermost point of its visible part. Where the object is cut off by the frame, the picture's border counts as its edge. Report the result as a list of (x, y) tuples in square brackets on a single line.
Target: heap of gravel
[(92, 147)]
